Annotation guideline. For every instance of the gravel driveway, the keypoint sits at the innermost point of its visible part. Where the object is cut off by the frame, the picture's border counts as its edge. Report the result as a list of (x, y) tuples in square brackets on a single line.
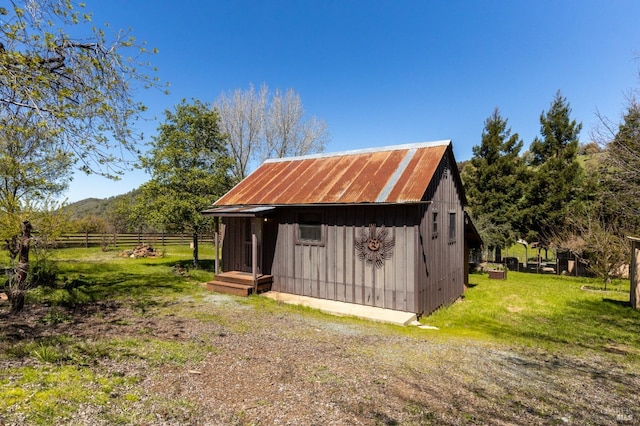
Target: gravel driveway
[(270, 365)]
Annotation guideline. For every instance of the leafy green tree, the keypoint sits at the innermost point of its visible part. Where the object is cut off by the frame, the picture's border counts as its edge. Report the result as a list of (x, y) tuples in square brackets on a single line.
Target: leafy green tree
[(190, 170), (126, 213), (63, 102), (90, 224), (78, 90), (494, 180), (32, 166), (32, 169), (557, 176)]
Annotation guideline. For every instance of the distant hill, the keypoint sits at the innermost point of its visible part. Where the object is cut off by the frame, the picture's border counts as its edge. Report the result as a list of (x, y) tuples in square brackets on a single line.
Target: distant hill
[(96, 206)]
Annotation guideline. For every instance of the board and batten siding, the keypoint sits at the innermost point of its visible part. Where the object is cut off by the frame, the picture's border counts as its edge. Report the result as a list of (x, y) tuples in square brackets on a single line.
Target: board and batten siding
[(237, 249), (425, 272), (232, 255), (334, 271), (441, 279)]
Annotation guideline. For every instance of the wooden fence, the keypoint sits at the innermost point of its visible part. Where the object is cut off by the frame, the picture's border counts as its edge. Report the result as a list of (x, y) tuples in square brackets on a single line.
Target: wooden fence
[(82, 239)]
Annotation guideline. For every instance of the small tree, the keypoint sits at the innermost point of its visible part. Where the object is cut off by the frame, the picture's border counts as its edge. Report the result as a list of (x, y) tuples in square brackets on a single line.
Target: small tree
[(189, 170), (50, 221), (588, 235)]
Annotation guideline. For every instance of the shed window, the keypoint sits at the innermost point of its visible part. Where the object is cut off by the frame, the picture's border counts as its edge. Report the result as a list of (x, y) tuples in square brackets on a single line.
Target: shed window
[(434, 229), (452, 227), (310, 229)]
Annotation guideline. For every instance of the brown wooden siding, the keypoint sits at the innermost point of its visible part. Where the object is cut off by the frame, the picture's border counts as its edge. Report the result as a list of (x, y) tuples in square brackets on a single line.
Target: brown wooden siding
[(441, 280), (232, 256), (334, 271)]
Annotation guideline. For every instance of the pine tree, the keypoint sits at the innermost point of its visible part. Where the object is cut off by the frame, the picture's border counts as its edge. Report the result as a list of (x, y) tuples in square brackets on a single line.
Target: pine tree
[(557, 175), (494, 182)]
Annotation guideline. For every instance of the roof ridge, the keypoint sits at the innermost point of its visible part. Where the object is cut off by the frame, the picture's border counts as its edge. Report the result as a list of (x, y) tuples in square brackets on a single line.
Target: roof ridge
[(417, 145)]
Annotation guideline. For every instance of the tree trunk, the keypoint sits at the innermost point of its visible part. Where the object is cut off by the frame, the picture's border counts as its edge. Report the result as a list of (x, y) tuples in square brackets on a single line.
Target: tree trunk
[(18, 283), (498, 255), (195, 249), (16, 298)]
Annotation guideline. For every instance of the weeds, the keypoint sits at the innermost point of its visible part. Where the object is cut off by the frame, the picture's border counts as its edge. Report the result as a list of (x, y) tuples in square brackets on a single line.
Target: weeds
[(55, 316), (46, 353), (51, 395)]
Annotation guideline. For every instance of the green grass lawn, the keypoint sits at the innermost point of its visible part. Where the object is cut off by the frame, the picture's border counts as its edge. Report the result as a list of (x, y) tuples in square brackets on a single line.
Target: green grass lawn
[(530, 309), (547, 311), (91, 274)]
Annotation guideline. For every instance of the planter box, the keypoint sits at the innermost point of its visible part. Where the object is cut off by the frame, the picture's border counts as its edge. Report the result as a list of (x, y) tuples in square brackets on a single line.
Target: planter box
[(498, 275)]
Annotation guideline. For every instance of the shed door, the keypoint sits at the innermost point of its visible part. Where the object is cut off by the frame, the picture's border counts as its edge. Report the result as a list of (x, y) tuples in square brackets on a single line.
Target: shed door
[(252, 226)]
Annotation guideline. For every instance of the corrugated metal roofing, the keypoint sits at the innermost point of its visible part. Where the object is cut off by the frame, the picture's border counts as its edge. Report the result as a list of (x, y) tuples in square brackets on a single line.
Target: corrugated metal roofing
[(395, 174), (237, 211)]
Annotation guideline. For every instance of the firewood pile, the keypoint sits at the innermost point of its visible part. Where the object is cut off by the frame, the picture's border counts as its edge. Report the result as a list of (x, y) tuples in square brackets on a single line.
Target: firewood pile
[(142, 250)]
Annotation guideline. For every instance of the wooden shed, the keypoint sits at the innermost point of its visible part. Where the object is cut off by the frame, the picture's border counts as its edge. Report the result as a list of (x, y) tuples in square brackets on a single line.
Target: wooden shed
[(382, 227)]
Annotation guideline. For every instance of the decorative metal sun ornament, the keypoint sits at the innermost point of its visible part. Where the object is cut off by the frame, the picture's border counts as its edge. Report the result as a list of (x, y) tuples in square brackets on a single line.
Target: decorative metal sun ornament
[(374, 245)]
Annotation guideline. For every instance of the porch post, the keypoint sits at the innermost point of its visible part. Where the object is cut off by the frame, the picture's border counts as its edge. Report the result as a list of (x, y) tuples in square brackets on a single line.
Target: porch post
[(216, 236), (254, 261)]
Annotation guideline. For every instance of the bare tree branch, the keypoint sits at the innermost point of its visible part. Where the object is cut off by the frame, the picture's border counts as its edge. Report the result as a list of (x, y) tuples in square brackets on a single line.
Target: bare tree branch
[(261, 127)]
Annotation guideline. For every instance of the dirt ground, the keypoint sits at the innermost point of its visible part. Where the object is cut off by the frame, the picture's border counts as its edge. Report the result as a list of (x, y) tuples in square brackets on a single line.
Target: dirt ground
[(269, 366)]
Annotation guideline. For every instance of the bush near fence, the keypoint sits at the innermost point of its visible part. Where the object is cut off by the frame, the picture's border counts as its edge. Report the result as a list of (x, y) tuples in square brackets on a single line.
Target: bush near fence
[(82, 239)]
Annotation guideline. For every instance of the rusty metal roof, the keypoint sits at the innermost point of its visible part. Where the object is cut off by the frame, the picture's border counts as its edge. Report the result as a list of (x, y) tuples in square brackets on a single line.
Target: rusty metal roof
[(395, 174), (238, 211)]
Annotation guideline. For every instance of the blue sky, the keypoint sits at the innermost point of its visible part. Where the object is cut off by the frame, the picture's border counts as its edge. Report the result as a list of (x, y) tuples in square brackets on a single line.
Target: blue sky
[(388, 72)]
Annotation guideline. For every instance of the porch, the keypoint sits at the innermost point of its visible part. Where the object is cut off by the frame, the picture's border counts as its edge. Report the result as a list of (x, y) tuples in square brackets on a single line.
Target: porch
[(240, 283)]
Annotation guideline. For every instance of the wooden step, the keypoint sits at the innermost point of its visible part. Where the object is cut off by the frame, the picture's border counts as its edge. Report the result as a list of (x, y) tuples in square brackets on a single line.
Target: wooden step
[(228, 285), (242, 278), (230, 288)]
